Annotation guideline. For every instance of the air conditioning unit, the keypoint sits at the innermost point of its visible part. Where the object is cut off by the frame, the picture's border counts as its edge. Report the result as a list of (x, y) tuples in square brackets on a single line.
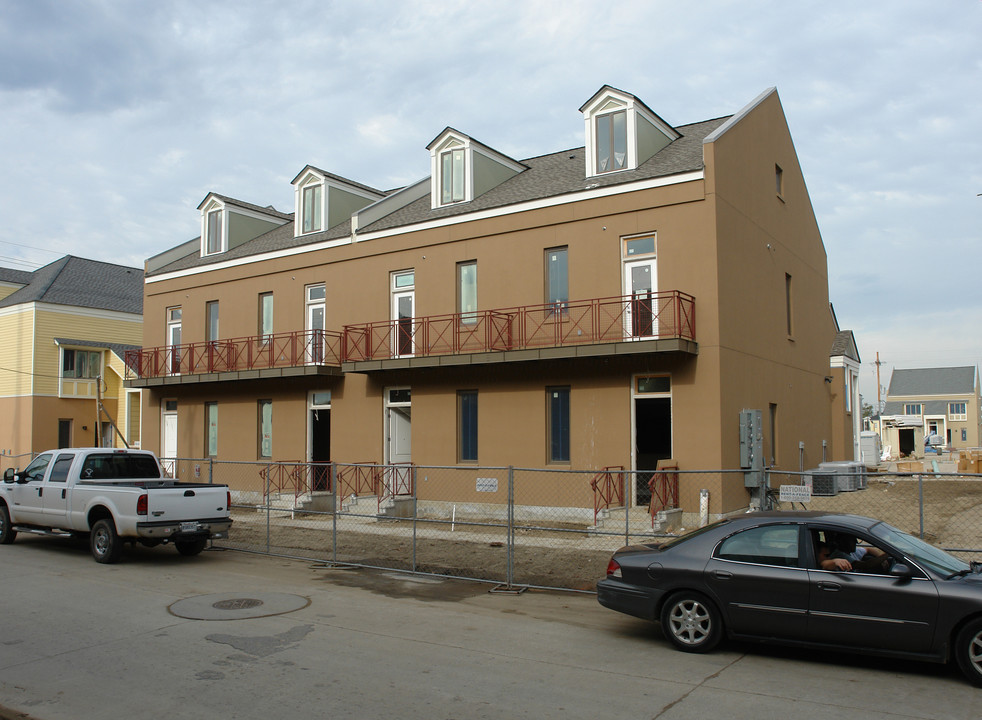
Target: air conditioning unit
[(825, 483)]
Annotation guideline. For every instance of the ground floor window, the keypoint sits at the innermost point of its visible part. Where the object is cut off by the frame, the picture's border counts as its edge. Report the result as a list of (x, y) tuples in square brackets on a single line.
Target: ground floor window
[(211, 429), (265, 429), (467, 426), (557, 399)]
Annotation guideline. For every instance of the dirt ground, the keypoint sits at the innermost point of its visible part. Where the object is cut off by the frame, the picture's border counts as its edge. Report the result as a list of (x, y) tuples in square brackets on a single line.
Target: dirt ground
[(570, 557)]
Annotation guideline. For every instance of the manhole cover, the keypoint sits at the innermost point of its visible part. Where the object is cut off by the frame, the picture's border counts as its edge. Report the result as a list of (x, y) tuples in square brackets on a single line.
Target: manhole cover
[(232, 606), (237, 604)]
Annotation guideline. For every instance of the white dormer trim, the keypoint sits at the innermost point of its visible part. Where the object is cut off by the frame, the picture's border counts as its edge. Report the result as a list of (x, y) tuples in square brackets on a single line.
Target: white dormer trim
[(311, 181), (213, 214), (609, 101)]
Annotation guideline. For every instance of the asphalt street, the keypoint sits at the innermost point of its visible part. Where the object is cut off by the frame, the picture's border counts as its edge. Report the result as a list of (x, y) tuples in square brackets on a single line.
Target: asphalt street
[(233, 635)]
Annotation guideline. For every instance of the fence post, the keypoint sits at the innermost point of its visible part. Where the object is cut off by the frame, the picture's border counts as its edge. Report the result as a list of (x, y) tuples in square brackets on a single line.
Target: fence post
[(415, 512), (920, 502), (269, 503), (334, 512), (625, 493), (510, 573), (211, 471)]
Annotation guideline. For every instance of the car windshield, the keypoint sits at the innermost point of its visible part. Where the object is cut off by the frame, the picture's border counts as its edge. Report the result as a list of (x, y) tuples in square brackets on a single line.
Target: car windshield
[(688, 536), (919, 551)]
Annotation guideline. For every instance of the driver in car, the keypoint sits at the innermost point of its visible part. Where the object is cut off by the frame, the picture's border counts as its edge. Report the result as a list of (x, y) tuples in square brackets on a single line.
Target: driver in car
[(845, 555)]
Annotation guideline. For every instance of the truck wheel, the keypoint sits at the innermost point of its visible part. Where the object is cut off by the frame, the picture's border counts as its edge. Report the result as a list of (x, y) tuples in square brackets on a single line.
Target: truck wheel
[(190, 547), (7, 533), (104, 542)]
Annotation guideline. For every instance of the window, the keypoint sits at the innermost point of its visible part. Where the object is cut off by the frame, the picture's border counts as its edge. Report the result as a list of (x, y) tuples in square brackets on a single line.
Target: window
[(59, 471), (789, 308), (403, 312), (312, 195), (612, 142), (214, 229), (467, 426), (211, 321), (37, 468), (557, 399), (81, 364), (912, 409), (265, 316), (265, 429), (316, 322), (653, 384), (64, 433), (779, 180), (964, 434), (557, 277), (467, 292), (957, 411), (768, 545), (451, 176), (211, 429)]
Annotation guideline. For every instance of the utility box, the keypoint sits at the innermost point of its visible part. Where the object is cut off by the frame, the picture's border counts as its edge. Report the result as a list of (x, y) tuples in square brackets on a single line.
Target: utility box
[(751, 448)]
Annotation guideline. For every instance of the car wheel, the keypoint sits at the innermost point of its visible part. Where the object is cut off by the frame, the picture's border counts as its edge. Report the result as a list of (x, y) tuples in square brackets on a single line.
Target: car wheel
[(7, 533), (190, 547), (105, 544), (691, 622), (968, 651)]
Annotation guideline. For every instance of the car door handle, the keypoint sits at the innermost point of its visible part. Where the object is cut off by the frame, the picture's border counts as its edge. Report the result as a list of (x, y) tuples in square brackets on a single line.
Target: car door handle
[(829, 586), (40, 492), (722, 574)]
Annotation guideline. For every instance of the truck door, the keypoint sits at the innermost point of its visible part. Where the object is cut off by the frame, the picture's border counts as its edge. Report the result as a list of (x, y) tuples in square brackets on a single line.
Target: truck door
[(54, 496), (27, 494)]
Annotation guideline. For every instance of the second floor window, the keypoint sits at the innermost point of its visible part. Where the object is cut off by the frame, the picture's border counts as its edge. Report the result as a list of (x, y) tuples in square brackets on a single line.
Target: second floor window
[(265, 316), (912, 409), (467, 292), (557, 276), (80, 364), (957, 411), (211, 321)]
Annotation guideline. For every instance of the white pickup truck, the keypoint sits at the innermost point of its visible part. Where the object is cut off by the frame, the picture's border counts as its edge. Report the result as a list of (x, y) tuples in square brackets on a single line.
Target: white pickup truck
[(111, 496)]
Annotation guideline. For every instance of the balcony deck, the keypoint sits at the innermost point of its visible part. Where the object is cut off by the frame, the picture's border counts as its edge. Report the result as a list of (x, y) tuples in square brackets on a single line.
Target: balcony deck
[(601, 327)]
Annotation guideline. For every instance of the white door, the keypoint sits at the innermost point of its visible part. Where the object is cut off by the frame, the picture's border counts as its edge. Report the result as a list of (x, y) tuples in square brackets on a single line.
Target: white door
[(641, 311), (174, 341), (316, 312), (398, 425), (168, 439), (403, 311)]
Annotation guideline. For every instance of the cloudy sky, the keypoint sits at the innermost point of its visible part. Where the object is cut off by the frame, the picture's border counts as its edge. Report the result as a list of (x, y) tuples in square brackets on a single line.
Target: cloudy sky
[(117, 117)]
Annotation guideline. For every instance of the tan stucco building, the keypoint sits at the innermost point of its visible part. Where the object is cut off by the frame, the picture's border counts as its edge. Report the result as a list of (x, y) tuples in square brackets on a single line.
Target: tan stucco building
[(615, 304)]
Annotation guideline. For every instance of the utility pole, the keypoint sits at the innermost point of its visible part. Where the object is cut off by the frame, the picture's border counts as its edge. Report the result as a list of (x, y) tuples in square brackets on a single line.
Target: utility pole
[(879, 405)]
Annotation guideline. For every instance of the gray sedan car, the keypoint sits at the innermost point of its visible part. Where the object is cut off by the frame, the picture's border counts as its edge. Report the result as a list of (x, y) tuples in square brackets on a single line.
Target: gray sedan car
[(811, 579)]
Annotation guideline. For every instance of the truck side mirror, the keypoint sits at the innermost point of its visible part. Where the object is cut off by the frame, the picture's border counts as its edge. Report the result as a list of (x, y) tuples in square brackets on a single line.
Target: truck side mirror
[(9, 475)]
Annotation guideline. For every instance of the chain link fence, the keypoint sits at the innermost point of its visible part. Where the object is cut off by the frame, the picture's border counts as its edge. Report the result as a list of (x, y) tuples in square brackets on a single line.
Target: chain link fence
[(529, 528)]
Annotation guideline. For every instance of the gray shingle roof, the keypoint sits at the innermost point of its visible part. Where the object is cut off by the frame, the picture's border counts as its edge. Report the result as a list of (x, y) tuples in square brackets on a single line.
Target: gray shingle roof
[(844, 345), (547, 176), (932, 381), (84, 283), (17, 277)]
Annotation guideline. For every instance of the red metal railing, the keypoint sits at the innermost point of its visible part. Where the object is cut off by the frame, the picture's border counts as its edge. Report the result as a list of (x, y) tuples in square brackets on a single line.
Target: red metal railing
[(664, 486), (297, 478), (307, 347), (357, 480), (608, 489), (669, 314)]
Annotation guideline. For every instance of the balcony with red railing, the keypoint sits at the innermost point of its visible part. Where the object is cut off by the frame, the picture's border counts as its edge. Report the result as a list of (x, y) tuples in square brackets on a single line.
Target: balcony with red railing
[(308, 352), (654, 322)]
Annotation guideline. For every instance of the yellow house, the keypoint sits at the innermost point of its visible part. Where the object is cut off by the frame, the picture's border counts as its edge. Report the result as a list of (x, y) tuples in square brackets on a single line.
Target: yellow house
[(64, 331), (615, 304)]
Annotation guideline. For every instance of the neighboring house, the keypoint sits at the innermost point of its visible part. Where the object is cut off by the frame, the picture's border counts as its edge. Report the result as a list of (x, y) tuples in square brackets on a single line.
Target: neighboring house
[(925, 401), (62, 327), (540, 313), (847, 411)]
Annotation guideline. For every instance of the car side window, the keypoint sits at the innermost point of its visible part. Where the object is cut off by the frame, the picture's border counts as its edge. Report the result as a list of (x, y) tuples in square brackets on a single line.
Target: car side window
[(59, 471), (765, 545), (35, 471)]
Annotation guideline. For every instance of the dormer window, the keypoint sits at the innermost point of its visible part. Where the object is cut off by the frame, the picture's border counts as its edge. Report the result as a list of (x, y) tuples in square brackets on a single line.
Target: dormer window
[(463, 169), (214, 231), (622, 133), (612, 141), (452, 176), (312, 208)]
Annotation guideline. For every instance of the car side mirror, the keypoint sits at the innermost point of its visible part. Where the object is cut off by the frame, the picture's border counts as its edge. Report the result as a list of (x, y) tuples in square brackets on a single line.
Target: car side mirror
[(9, 475), (901, 570)]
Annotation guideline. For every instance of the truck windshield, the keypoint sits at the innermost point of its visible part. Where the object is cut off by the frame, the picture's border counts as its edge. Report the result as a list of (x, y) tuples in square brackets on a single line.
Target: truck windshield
[(112, 466)]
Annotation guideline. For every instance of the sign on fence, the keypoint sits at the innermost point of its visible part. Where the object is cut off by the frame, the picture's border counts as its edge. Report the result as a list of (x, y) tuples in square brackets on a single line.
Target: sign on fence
[(796, 493), (487, 485)]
